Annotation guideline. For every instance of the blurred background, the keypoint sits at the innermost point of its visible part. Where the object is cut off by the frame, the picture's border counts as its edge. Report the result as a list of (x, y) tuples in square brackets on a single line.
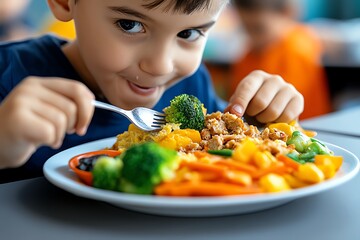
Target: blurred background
[(336, 24)]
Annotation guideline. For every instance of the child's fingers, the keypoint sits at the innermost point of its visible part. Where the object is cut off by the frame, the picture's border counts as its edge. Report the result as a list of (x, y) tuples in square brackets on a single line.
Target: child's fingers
[(277, 105), (245, 92), (80, 95), (264, 97), (54, 123), (64, 105), (292, 110)]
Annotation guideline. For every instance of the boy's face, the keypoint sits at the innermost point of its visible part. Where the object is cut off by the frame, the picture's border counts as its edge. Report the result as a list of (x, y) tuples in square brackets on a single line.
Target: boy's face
[(132, 54)]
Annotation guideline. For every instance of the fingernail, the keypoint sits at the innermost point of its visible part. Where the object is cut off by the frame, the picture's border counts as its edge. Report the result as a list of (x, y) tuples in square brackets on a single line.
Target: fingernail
[(71, 131), (238, 109), (82, 131), (57, 145)]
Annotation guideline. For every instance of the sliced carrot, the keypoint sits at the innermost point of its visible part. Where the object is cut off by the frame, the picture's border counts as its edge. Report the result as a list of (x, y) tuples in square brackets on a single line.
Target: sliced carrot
[(280, 169), (207, 167), (204, 189), (288, 161), (237, 165), (201, 154)]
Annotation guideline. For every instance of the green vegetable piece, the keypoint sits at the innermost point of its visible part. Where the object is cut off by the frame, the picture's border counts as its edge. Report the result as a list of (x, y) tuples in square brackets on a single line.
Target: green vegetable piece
[(221, 152), (300, 141), (319, 147), (295, 156), (186, 110), (145, 166), (107, 172), (308, 156)]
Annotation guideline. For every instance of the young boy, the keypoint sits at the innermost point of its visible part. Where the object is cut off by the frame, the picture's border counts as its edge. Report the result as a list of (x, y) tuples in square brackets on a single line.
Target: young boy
[(278, 44), (129, 53)]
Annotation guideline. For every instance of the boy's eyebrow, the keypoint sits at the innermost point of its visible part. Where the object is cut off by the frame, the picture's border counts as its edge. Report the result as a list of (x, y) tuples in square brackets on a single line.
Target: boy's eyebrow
[(128, 11), (206, 25)]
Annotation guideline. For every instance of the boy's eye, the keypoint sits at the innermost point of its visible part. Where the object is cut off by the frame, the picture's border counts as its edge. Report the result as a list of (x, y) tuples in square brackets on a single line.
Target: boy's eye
[(130, 26), (190, 34)]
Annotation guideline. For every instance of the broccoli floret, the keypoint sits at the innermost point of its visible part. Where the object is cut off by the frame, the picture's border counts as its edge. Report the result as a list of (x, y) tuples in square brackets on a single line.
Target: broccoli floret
[(186, 110), (107, 172), (145, 166)]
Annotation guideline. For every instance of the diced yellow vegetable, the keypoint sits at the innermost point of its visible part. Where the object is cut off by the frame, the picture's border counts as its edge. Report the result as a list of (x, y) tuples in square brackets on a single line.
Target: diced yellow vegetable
[(310, 173), (180, 138), (294, 182), (274, 183), (262, 159), (326, 165), (328, 170), (286, 128), (336, 160), (245, 151)]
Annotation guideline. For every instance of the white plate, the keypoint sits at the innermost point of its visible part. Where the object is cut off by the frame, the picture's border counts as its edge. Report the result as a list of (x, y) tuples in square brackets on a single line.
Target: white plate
[(56, 170)]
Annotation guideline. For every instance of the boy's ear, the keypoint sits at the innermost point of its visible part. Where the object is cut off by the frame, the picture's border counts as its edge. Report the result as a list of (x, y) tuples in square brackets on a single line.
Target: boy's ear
[(62, 9)]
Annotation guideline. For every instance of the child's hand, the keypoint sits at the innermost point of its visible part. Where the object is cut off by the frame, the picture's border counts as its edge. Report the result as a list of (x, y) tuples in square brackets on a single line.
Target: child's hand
[(40, 111), (268, 98)]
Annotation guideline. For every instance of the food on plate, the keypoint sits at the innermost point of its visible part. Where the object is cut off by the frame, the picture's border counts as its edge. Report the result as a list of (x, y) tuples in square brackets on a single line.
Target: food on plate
[(187, 111), (145, 166), (83, 164), (225, 156), (107, 172)]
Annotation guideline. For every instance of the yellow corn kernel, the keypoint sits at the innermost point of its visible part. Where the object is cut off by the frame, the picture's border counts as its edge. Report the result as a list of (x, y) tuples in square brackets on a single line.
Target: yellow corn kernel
[(274, 183), (245, 151), (294, 182), (262, 160), (286, 128), (336, 160), (310, 173)]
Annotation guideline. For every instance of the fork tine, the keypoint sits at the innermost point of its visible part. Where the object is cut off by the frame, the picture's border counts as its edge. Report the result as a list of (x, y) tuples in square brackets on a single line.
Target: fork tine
[(160, 115), (159, 119)]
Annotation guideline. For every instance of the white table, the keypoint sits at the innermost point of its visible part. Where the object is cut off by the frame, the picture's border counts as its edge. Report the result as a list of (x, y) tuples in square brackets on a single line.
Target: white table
[(35, 209)]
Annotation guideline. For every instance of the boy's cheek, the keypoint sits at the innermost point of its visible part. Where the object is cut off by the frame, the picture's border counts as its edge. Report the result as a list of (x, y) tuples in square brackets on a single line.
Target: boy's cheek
[(191, 63)]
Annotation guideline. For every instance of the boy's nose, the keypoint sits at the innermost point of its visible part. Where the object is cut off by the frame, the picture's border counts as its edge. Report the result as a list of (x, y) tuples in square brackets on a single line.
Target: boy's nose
[(158, 62)]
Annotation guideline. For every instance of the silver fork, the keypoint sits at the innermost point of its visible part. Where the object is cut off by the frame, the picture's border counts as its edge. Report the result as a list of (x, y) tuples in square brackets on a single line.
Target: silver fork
[(144, 118)]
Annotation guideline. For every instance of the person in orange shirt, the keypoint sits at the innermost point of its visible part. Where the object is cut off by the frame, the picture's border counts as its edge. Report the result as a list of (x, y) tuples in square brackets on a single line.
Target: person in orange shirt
[(280, 45)]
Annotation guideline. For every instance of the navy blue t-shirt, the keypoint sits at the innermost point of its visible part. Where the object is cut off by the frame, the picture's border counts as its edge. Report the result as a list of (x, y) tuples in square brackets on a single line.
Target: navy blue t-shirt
[(43, 57)]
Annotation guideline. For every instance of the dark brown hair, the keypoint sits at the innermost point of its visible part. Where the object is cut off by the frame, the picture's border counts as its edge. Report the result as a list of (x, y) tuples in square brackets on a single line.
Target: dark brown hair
[(185, 6), (277, 5)]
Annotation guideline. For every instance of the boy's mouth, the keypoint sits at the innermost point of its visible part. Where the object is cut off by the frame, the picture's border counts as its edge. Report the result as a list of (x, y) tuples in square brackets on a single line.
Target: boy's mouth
[(145, 91)]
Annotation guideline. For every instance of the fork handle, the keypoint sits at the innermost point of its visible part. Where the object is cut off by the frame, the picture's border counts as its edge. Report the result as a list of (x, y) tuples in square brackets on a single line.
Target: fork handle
[(107, 106)]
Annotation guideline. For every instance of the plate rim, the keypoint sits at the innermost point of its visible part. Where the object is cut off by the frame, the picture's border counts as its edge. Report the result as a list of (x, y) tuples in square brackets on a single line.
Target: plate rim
[(123, 199)]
